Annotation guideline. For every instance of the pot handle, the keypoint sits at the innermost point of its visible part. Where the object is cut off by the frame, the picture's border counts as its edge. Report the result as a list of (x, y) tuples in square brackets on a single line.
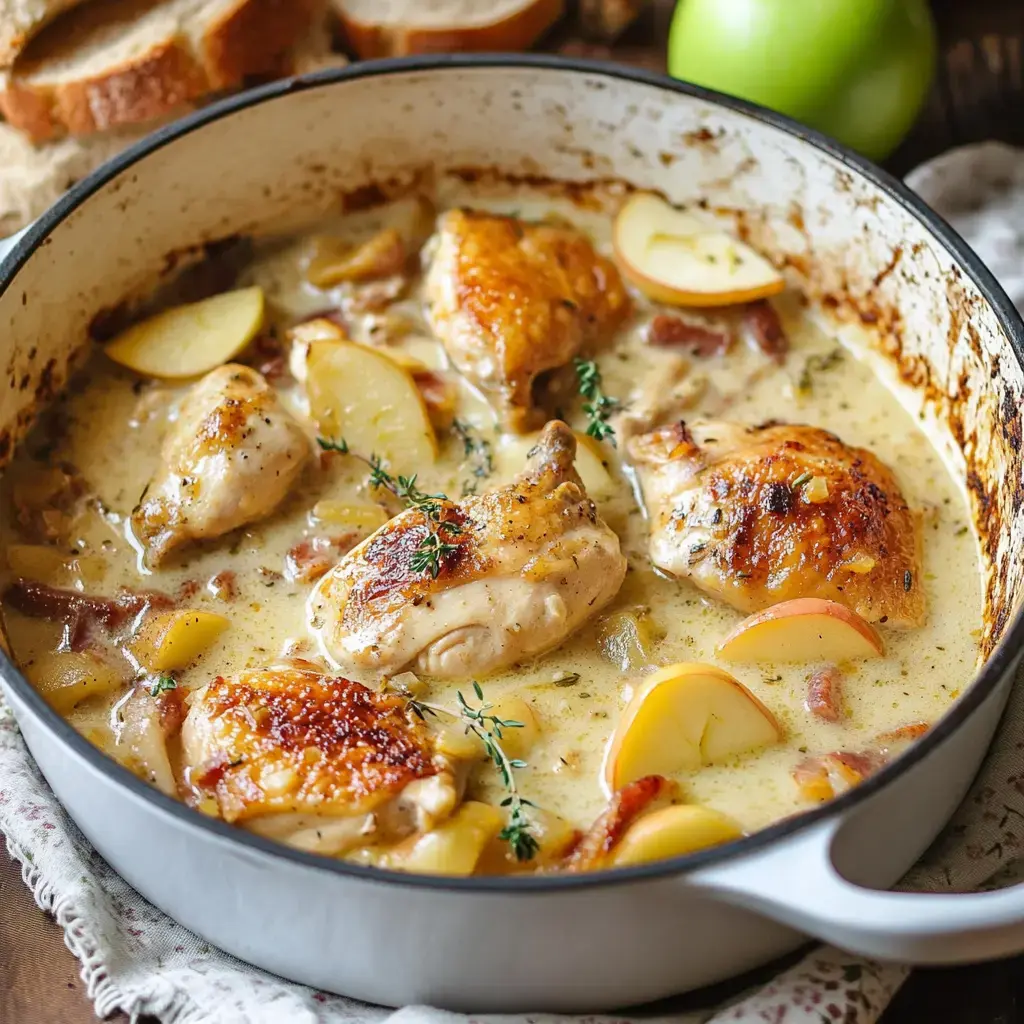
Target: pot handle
[(795, 882)]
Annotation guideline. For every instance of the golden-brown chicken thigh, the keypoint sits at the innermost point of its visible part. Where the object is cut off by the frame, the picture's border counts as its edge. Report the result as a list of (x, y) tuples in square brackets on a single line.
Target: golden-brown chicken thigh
[(319, 762), (510, 300), (229, 459), (758, 515), (531, 563)]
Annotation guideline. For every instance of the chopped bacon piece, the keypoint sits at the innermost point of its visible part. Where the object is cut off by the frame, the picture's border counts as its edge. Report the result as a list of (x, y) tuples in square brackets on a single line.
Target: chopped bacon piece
[(822, 778), (700, 339), (267, 355), (188, 589), (172, 710), (913, 731), (42, 602), (376, 295), (82, 615), (824, 694), (314, 557), (223, 586), (623, 809), (438, 393), (765, 328)]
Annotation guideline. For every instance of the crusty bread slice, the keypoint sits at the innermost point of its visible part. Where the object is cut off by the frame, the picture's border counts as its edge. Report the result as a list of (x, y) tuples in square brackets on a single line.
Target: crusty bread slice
[(20, 20), (396, 28), (314, 52), (34, 177), (113, 63)]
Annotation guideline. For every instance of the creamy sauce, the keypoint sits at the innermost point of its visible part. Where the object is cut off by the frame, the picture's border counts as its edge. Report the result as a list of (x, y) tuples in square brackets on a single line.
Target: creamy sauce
[(115, 422)]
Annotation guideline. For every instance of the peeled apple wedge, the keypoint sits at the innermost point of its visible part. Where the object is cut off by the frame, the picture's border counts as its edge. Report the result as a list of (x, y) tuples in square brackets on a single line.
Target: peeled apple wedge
[(672, 832), (805, 629), (454, 847), (682, 260), (190, 340), (174, 639), (589, 461), (682, 717), (66, 678), (362, 396)]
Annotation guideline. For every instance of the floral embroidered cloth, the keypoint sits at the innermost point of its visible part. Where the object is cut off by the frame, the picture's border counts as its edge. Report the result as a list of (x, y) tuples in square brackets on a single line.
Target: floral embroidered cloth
[(137, 960)]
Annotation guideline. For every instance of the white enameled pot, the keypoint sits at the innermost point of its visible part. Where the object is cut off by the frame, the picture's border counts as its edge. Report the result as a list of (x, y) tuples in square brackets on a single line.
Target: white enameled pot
[(867, 253)]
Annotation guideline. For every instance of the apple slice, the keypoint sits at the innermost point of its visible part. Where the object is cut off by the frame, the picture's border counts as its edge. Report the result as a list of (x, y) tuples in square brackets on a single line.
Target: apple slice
[(677, 258), (362, 396), (190, 340), (682, 717), (672, 832), (805, 629)]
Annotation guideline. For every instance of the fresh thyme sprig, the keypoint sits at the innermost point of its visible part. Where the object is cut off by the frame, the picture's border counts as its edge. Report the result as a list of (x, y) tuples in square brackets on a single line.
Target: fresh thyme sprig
[(477, 451), (599, 406), (163, 684), (488, 729), (436, 546)]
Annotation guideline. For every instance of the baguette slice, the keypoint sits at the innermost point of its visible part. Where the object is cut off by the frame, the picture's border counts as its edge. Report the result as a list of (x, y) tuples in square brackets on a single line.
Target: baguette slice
[(32, 178), (114, 63), (20, 20), (397, 28)]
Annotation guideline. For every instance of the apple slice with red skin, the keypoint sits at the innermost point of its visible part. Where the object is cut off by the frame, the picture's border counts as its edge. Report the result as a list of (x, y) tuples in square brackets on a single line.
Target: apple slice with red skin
[(682, 717), (680, 259), (805, 629)]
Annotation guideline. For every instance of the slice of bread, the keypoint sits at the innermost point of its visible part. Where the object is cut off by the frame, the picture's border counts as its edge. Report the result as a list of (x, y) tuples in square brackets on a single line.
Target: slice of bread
[(396, 28), (34, 177), (20, 20), (114, 63), (606, 20)]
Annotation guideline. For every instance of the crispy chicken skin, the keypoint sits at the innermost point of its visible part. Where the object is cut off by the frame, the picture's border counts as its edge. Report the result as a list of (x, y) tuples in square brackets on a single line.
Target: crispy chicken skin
[(532, 563), (319, 762), (758, 515), (230, 459), (510, 299)]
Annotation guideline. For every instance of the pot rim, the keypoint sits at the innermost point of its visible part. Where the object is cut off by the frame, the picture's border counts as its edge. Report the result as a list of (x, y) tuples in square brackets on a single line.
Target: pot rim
[(999, 663)]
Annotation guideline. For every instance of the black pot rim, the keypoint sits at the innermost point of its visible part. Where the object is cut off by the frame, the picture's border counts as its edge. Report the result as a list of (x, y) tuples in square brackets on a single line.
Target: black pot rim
[(995, 669)]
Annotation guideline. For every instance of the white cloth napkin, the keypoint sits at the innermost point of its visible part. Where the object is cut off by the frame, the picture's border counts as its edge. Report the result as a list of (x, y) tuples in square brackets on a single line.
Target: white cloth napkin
[(135, 959)]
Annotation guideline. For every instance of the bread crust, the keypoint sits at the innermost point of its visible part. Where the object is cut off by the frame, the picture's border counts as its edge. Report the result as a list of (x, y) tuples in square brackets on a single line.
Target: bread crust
[(247, 38), (518, 31), (18, 27)]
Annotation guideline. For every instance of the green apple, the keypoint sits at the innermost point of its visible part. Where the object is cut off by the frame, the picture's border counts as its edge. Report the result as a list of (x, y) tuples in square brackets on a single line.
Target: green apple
[(858, 70)]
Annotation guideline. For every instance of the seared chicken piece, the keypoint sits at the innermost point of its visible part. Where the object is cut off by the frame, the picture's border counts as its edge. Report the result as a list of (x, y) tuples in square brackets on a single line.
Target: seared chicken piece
[(230, 458), (320, 763), (532, 562), (510, 300), (758, 515)]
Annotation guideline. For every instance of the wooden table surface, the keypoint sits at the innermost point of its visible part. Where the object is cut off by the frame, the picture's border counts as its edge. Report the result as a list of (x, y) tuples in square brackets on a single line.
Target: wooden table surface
[(978, 94)]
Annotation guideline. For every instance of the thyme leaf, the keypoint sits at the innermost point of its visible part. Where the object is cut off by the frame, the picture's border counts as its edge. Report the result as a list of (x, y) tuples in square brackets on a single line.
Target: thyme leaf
[(163, 684), (436, 547), (489, 729), (477, 451), (598, 406)]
